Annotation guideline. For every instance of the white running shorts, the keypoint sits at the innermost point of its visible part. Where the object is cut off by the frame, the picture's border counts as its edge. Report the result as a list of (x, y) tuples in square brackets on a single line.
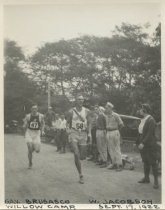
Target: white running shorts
[(33, 136)]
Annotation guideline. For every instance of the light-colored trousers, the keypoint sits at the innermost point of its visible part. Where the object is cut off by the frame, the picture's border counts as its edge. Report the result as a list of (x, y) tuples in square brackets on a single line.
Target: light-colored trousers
[(101, 144), (113, 143)]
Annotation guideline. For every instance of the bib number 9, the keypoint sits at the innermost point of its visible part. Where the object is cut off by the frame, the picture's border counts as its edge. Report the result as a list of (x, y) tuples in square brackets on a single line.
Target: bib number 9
[(34, 125)]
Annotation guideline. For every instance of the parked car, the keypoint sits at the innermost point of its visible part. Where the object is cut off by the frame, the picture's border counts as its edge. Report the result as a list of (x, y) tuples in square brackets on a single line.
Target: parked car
[(130, 130), (12, 127)]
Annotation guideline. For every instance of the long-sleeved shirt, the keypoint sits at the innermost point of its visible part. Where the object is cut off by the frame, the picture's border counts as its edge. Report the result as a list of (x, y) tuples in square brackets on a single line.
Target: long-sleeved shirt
[(56, 124), (49, 118), (63, 124), (101, 122)]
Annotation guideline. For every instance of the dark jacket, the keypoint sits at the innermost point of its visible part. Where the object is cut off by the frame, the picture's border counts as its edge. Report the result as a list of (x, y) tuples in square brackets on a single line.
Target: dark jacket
[(148, 136), (49, 117)]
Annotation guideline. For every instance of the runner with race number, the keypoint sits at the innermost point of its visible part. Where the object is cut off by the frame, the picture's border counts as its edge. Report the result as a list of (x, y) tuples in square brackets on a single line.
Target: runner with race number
[(34, 127), (79, 131)]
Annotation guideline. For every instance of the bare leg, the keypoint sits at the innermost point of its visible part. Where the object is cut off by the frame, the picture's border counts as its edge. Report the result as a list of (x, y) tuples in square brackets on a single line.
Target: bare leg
[(30, 151), (77, 161), (36, 147), (77, 157)]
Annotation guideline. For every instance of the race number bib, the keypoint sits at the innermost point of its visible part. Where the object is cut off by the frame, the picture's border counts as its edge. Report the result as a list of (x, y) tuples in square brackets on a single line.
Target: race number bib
[(34, 125), (79, 126)]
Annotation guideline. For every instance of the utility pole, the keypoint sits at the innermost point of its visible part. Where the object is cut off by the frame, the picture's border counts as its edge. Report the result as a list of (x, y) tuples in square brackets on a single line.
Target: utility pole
[(49, 94)]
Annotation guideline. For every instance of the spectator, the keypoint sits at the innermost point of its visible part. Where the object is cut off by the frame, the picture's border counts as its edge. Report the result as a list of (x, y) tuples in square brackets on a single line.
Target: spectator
[(93, 152), (113, 125), (57, 131), (101, 135), (147, 145), (63, 134), (49, 117)]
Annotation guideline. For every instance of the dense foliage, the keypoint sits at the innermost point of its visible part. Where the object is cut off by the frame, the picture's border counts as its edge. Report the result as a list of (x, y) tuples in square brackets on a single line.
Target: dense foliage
[(124, 69)]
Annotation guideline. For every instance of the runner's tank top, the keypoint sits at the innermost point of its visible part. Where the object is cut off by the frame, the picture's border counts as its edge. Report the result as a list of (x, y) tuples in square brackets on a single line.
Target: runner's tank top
[(34, 122), (77, 122)]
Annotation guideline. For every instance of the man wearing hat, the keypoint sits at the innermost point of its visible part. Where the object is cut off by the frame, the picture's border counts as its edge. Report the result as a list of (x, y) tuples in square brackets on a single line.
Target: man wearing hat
[(147, 145), (113, 125), (79, 132)]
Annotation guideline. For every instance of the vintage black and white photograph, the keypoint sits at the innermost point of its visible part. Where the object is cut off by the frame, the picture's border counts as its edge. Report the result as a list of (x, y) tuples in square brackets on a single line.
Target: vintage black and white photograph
[(82, 103)]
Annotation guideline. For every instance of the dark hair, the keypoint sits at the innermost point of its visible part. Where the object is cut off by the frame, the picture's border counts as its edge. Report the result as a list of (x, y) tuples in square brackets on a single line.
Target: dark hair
[(146, 108)]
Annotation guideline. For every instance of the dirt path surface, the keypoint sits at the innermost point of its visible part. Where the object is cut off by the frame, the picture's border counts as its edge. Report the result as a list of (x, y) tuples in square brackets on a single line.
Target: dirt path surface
[(54, 177)]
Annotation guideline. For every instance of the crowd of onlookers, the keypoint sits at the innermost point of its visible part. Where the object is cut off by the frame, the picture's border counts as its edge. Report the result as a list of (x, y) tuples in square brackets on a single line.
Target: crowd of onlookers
[(55, 130), (104, 148), (98, 151)]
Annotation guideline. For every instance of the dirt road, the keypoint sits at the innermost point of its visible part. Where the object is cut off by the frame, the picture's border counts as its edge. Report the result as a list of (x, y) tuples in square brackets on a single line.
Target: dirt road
[(54, 177)]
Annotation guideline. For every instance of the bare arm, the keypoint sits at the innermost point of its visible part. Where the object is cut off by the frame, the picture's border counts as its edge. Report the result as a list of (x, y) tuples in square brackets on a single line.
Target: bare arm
[(89, 123), (25, 124), (68, 121)]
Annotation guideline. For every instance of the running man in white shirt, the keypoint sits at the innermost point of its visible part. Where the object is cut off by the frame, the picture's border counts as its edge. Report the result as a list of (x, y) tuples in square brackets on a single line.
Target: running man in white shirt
[(33, 127), (79, 132)]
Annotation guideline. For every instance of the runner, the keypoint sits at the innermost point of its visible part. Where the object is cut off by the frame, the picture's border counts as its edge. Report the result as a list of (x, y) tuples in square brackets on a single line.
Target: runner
[(79, 131), (34, 127)]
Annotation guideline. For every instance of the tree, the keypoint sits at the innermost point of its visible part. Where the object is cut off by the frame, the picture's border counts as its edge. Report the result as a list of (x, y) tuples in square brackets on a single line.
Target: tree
[(18, 90), (140, 63), (124, 68)]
